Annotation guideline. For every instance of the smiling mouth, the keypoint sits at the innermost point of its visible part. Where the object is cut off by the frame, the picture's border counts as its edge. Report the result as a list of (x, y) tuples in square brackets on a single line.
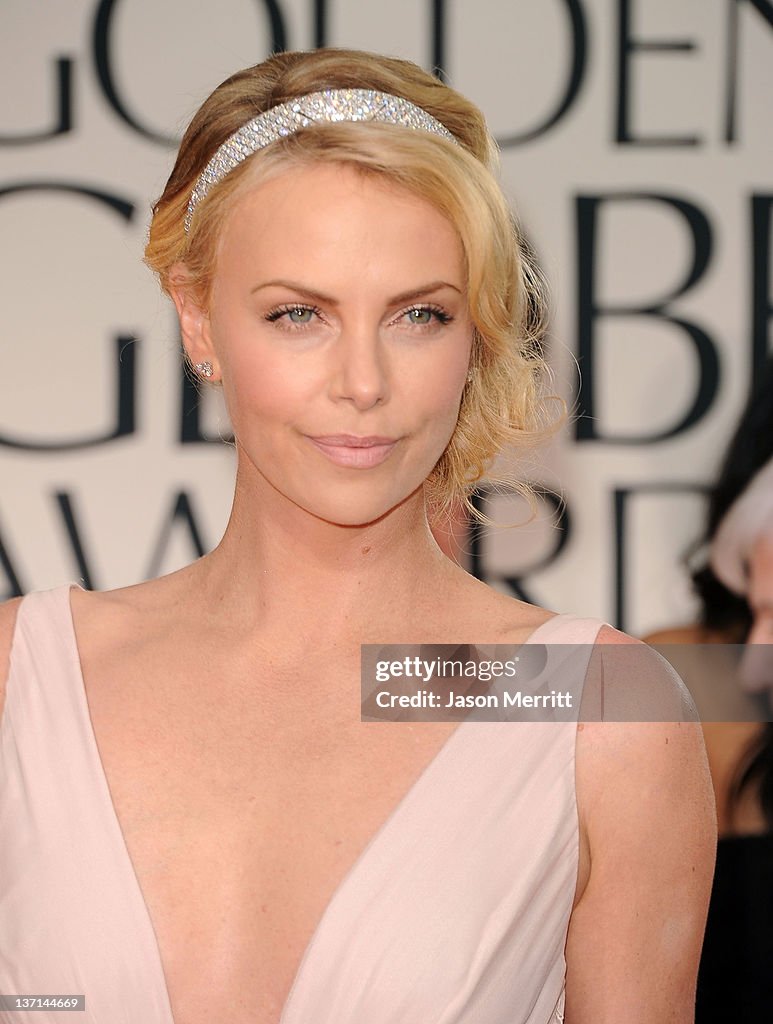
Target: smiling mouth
[(354, 452)]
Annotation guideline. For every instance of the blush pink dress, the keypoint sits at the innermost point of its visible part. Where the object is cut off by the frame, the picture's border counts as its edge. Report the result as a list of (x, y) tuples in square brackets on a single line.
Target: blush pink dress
[(455, 913)]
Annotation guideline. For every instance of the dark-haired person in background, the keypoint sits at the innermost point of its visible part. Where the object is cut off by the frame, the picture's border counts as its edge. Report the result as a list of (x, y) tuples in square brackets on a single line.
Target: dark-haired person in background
[(735, 588)]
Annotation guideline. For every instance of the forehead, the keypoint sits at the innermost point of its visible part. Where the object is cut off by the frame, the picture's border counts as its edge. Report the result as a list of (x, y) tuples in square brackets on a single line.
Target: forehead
[(334, 217)]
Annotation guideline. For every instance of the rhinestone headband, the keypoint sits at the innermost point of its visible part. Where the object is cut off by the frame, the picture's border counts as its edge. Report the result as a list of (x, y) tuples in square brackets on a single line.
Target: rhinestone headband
[(331, 106)]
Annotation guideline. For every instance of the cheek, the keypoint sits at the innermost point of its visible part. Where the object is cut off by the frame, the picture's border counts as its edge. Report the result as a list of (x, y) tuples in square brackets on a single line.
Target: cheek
[(438, 394), (437, 375), (260, 385), (263, 399)]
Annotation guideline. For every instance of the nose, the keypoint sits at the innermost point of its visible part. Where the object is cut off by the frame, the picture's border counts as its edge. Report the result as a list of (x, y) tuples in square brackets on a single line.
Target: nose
[(360, 374)]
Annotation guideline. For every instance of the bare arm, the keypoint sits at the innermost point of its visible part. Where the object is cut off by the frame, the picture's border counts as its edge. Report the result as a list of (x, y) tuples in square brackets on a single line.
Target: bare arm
[(647, 822), (7, 622)]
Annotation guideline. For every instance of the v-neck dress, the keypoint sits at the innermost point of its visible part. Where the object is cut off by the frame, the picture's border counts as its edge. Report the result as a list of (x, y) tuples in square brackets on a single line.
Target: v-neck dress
[(455, 913)]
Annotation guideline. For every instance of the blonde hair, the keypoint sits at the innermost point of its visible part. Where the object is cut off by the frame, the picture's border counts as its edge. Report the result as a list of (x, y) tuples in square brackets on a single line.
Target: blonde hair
[(503, 405)]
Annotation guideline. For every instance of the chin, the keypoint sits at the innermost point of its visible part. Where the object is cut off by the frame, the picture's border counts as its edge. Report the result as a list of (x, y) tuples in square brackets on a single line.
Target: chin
[(358, 511)]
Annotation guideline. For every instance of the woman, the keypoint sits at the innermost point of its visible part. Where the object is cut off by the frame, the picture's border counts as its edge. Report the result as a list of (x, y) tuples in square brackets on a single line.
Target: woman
[(735, 590), (735, 587), (347, 269)]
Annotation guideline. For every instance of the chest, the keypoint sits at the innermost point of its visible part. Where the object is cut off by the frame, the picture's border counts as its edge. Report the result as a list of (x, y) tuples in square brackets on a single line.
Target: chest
[(241, 820)]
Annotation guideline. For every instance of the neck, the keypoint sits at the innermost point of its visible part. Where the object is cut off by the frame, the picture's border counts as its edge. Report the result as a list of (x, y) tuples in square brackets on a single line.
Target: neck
[(278, 566)]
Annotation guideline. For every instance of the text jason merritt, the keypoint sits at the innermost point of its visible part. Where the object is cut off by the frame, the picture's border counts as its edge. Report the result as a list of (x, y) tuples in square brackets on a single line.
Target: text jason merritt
[(515, 699)]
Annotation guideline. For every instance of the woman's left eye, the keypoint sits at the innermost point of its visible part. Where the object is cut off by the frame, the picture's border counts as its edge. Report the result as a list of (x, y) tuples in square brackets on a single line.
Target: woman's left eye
[(424, 316), (299, 315)]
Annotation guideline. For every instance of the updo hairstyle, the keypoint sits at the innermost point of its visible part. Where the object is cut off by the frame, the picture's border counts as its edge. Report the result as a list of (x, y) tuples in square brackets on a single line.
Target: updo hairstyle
[(504, 405)]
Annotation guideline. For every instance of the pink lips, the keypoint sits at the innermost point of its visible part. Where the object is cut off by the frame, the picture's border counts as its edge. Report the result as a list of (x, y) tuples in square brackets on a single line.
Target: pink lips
[(354, 452)]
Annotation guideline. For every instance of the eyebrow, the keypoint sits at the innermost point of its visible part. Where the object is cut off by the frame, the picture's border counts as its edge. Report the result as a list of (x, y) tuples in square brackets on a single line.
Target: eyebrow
[(310, 293)]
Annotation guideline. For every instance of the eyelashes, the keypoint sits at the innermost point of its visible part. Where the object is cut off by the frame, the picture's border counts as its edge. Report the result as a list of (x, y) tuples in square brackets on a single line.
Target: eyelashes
[(293, 308), (304, 315), (437, 314)]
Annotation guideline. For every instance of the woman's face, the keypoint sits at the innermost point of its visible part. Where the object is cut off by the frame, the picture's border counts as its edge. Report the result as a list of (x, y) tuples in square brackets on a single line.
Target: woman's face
[(756, 667), (339, 325)]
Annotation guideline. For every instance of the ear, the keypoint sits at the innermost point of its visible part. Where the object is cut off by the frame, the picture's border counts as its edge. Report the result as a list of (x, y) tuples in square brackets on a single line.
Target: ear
[(194, 320)]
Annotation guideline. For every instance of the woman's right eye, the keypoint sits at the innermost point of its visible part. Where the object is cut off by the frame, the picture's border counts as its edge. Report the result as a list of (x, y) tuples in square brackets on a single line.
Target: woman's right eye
[(298, 316)]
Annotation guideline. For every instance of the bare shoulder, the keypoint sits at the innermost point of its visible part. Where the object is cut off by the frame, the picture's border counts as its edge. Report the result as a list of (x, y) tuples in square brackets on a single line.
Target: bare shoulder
[(8, 612), (649, 723), (609, 635), (491, 616), (113, 622), (517, 620), (648, 825), (139, 598)]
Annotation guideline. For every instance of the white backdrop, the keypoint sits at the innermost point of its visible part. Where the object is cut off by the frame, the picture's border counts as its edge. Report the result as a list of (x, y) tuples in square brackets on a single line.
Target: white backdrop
[(635, 144)]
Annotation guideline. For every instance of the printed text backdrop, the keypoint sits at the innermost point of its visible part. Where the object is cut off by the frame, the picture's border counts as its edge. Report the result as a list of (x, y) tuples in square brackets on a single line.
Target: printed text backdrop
[(635, 140)]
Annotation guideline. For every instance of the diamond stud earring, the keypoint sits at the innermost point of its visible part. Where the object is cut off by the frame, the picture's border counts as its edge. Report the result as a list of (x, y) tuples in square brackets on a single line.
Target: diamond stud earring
[(204, 369)]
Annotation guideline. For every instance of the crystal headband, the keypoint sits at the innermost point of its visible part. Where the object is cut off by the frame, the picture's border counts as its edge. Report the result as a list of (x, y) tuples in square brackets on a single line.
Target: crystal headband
[(330, 106)]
